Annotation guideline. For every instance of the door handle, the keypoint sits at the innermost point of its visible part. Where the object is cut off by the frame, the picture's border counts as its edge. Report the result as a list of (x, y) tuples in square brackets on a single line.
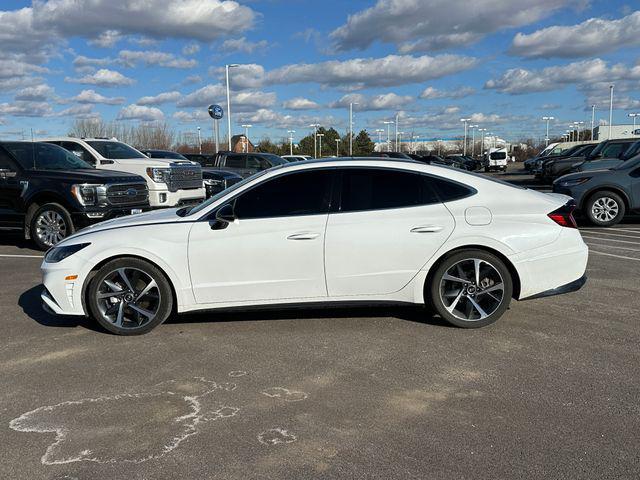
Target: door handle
[(303, 236), (427, 229)]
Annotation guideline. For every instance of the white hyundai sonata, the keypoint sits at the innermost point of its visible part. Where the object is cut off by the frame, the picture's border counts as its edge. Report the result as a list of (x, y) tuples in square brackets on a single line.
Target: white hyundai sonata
[(344, 230)]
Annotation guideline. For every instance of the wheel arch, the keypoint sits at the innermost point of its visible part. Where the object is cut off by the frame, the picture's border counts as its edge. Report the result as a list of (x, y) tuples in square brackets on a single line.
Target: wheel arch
[(101, 263), (515, 276), (33, 203), (606, 188)]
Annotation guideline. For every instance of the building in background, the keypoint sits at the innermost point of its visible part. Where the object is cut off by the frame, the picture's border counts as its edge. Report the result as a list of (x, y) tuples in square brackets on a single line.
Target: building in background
[(601, 132)]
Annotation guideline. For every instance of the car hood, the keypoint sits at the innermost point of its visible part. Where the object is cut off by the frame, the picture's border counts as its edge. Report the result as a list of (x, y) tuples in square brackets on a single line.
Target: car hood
[(573, 176), (90, 175), (153, 162), (148, 218)]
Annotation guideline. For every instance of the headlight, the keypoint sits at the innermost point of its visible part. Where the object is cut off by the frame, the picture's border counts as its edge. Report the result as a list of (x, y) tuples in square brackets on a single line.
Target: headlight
[(157, 174), (89, 195), (213, 182), (573, 182), (57, 254)]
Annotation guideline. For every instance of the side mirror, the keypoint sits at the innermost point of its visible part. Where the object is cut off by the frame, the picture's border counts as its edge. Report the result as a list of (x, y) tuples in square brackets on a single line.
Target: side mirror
[(224, 216)]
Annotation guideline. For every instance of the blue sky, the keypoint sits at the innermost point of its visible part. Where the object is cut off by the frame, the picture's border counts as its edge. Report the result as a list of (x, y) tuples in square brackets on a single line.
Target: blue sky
[(502, 63)]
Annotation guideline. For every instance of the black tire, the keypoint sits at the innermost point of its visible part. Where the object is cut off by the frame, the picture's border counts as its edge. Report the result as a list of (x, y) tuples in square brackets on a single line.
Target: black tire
[(106, 311), (492, 270), (43, 224), (605, 209)]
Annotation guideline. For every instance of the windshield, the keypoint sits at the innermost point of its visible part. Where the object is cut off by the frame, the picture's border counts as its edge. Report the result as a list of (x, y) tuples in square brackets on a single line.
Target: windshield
[(115, 150), (274, 159), (185, 212), (45, 156)]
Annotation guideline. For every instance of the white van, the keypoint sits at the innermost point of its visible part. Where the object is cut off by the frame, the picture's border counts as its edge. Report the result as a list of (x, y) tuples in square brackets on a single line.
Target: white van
[(496, 160), (171, 183)]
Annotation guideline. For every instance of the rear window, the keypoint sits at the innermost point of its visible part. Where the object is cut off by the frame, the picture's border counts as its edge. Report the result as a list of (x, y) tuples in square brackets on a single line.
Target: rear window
[(498, 156)]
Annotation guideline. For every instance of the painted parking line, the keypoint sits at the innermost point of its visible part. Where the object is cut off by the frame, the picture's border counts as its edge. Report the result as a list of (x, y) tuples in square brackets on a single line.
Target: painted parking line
[(617, 247), (610, 240), (20, 256), (613, 255), (623, 235)]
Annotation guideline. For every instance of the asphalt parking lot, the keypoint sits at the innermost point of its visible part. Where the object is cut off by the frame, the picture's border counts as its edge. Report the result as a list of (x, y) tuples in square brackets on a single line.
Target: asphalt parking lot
[(550, 391)]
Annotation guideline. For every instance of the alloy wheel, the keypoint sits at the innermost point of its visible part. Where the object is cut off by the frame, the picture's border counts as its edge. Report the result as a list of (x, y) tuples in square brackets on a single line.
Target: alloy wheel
[(128, 298), (51, 227), (605, 209), (472, 289)]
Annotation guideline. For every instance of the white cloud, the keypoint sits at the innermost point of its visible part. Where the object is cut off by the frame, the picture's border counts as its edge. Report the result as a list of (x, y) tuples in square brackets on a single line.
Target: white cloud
[(191, 49), (82, 61), (418, 26), (192, 116), (240, 101), (91, 96), (203, 96), (11, 68), (191, 79), (106, 39), (37, 93), (243, 45), (164, 97), (386, 101), (139, 112), (162, 59), (360, 73), (591, 37), (300, 103), (103, 78), (431, 93), (519, 81), (23, 108), (248, 75), (78, 111)]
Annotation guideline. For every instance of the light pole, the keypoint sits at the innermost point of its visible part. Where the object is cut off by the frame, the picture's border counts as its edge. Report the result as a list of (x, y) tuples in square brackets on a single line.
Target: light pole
[(388, 124), (399, 148), (473, 139), (464, 145), (546, 138), (320, 135), (351, 104), (610, 109), (577, 124), (379, 131), (633, 115), (199, 141), (291, 132), (593, 120), (569, 134), (572, 126), (315, 139), (482, 144), (246, 137), (396, 132), (227, 67), (338, 148)]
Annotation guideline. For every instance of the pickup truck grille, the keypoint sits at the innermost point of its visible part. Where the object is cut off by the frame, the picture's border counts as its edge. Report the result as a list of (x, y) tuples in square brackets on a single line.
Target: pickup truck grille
[(184, 177), (123, 194)]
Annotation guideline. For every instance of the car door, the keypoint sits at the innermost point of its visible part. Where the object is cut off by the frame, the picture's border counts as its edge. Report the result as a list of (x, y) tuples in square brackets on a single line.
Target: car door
[(10, 192), (389, 223), (275, 248), (635, 186)]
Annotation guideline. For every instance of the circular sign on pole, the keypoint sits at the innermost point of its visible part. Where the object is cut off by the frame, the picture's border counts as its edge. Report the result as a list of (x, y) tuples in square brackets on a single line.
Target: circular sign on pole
[(216, 112)]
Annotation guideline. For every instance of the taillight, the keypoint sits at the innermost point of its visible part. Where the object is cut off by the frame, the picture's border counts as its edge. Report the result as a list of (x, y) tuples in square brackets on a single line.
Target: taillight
[(563, 216)]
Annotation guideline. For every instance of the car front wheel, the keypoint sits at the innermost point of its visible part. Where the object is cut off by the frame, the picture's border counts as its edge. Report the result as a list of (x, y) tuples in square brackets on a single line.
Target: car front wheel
[(605, 209), (50, 224), (129, 296), (471, 289)]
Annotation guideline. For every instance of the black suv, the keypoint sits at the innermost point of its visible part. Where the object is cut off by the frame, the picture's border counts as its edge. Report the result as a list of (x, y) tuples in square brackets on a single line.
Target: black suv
[(552, 169), (49, 192), (246, 164), (215, 179)]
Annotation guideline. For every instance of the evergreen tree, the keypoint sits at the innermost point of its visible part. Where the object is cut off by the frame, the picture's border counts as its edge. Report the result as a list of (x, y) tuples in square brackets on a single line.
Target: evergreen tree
[(362, 144)]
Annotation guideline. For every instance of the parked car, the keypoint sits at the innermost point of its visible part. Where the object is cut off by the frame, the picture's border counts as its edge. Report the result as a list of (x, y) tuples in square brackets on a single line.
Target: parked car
[(496, 160), (555, 168), (296, 158), (364, 230), (401, 155), (604, 196), (571, 155), (530, 163), (170, 182), (247, 164), (430, 159), (214, 180), (463, 161), (49, 193), (630, 152)]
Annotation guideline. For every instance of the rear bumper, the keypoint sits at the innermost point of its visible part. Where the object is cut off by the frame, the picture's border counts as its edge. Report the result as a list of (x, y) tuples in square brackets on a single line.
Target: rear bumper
[(566, 288)]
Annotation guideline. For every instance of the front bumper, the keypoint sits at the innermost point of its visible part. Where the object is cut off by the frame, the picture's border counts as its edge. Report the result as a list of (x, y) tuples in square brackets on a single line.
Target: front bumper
[(91, 217), (165, 198), (62, 296)]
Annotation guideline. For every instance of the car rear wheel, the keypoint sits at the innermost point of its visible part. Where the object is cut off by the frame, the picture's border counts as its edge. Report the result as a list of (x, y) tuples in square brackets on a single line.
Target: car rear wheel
[(605, 209), (471, 289), (129, 296), (50, 224)]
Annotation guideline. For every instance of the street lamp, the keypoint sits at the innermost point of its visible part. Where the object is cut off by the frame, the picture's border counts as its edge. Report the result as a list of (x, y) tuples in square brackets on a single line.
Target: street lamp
[(246, 137), (315, 139), (400, 141), (577, 124), (482, 144), (351, 104), (593, 120), (388, 123), (546, 138), (379, 131), (473, 139), (199, 141), (397, 132), (320, 135), (610, 109), (338, 147), (569, 134), (291, 132), (227, 67), (633, 115), (464, 145)]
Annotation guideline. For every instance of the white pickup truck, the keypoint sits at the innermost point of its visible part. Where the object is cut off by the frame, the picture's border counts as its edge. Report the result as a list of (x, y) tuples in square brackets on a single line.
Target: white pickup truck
[(496, 159), (171, 183)]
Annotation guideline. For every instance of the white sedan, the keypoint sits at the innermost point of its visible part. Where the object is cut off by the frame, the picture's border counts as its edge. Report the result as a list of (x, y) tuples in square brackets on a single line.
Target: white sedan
[(340, 230)]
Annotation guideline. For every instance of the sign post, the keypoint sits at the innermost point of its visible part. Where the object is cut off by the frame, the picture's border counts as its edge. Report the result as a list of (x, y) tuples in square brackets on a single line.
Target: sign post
[(216, 112)]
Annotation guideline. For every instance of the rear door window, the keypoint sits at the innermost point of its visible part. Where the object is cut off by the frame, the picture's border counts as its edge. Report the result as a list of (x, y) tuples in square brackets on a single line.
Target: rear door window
[(79, 151), (235, 161), (614, 150)]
